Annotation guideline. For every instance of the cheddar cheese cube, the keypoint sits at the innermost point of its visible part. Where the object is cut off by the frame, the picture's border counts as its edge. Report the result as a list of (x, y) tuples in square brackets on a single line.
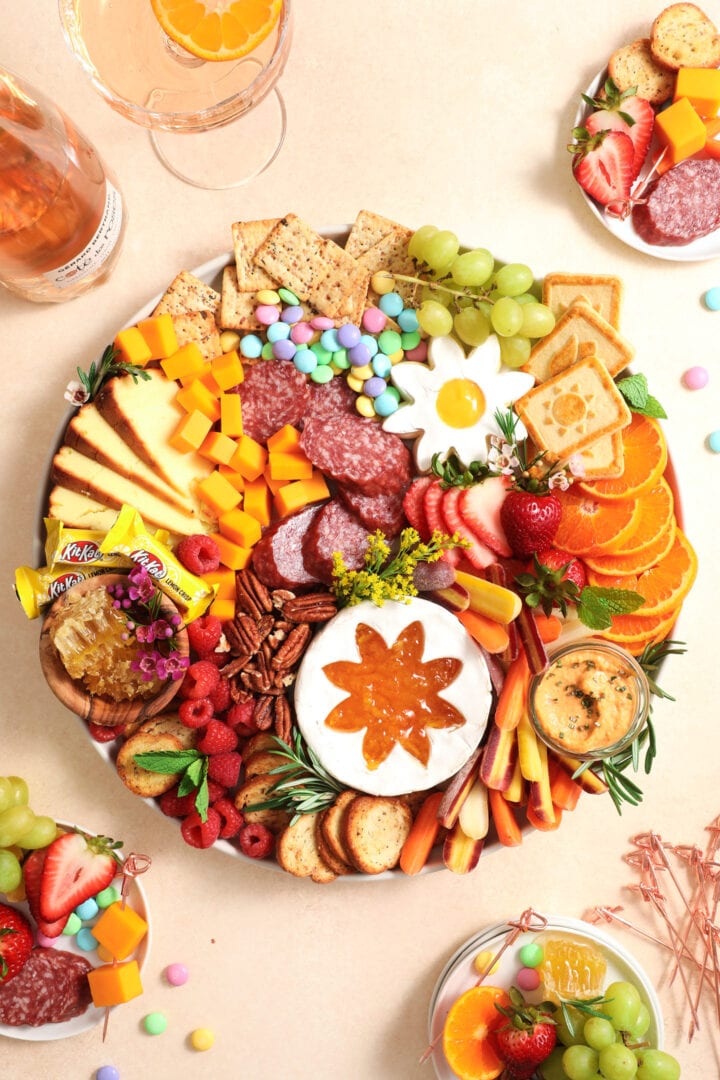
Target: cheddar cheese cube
[(188, 360), (132, 346), (249, 459), (292, 497), (227, 369), (274, 485), (224, 610), (218, 448), (680, 129), (231, 415), (287, 438), (232, 555), (240, 527), (223, 581), (701, 86), (236, 479), (289, 466), (120, 930), (257, 500), (197, 396), (191, 431), (159, 333), (219, 494), (114, 984)]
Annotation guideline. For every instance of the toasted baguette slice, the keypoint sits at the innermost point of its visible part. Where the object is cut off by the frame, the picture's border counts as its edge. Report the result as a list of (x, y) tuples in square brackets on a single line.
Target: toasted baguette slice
[(683, 36), (254, 791), (82, 474), (635, 65), (338, 866), (376, 828), (260, 763), (141, 781), (145, 415), (170, 724), (262, 740), (332, 824), (297, 851), (79, 511), (91, 434)]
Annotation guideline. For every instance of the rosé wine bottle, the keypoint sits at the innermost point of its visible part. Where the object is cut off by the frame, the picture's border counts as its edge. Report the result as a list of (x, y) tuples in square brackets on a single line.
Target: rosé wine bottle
[(62, 218)]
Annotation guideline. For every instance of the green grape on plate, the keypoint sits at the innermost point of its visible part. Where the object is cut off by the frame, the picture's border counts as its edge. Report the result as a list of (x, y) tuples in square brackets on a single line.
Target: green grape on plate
[(657, 1065), (10, 871), (617, 1062), (14, 822)]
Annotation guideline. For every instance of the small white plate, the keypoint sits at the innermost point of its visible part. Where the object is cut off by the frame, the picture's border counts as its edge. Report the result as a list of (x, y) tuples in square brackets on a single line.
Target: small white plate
[(92, 1016), (707, 247), (459, 975)]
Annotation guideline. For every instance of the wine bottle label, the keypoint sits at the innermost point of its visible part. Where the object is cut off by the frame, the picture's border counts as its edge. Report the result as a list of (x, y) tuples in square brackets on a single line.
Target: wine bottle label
[(100, 247)]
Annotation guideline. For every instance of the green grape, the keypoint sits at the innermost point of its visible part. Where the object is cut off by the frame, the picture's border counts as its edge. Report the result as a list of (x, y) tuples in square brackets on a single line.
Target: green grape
[(10, 872), (580, 1062), (418, 240), (526, 298), (439, 296), (486, 307), (472, 267), (471, 326), (617, 1062), (622, 1005), (567, 1036), (513, 279), (537, 320), (20, 793), (41, 833), (434, 319), (440, 249), (551, 1068), (514, 351), (6, 793), (641, 1024), (507, 317), (657, 1065), (598, 1033), (14, 821)]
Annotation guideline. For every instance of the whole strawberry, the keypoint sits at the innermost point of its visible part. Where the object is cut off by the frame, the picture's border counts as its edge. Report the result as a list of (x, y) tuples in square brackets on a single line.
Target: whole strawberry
[(16, 942), (553, 579), (530, 520), (527, 1039)]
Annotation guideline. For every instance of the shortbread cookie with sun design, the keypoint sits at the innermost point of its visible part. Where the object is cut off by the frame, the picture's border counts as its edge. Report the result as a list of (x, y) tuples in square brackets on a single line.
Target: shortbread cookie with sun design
[(565, 414), (579, 333)]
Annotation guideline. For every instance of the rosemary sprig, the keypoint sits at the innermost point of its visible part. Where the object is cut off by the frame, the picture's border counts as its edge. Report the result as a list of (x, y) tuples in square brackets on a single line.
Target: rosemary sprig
[(98, 374), (303, 786), (586, 1006)]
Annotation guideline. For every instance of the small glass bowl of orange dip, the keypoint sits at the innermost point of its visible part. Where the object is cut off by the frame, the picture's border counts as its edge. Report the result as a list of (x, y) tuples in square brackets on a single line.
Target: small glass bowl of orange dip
[(591, 701)]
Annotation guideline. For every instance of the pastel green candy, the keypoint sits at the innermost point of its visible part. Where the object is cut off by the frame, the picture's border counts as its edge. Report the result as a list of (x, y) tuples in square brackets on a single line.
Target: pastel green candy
[(410, 340), (389, 342), (107, 897), (323, 373), (155, 1023), (73, 924), (531, 955), (267, 351), (324, 356), (288, 296), (341, 360)]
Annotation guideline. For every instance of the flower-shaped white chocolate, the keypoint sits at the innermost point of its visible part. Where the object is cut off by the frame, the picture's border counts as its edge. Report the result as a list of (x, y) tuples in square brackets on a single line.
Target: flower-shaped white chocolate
[(452, 400)]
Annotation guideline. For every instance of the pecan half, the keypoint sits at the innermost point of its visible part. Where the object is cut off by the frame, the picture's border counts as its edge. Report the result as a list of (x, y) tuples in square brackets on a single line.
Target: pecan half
[(311, 608), (263, 713), (292, 648), (251, 595), (282, 719)]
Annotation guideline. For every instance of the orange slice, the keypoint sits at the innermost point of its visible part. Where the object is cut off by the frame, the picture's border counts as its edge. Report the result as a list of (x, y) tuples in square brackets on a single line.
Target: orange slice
[(466, 1036), (656, 506), (624, 565), (667, 584), (645, 457), (634, 632), (571, 969), (218, 29), (591, 526)]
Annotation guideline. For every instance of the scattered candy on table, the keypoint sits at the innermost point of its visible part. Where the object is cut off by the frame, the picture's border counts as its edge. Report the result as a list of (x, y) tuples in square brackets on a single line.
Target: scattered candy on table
[(202, 1039), (155, 1023), (107, 1072), (176, 974), (712, 298), (695, 378), (714, 441)]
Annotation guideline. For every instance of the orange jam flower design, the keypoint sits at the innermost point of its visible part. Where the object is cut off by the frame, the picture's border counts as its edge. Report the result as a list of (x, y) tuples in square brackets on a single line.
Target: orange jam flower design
[(393, 695)]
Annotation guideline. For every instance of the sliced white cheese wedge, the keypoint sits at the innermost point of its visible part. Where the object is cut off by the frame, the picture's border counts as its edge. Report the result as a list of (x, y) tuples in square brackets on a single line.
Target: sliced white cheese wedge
[(455, 692)]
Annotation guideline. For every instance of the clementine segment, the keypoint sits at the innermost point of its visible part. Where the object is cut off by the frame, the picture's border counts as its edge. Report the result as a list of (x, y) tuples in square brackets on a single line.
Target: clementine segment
[(656, 511), (665, 585), (218, 29), (468, 1047), (645, 457), (589, 525)]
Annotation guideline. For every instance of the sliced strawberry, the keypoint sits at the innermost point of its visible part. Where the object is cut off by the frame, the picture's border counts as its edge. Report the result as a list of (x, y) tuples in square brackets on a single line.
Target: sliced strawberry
[(478, 554), (625, 112), (32, 875), (76, 868), (413, 505), (480, 509), (432, 503), (603, 164)]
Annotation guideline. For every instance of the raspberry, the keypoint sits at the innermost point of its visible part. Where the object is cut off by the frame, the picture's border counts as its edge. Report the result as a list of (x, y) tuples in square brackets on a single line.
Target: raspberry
[(215, 791), (230, 817), (240, 718), (201, 678), (225, 768), (104, 733), (204, 634), (198, 833), (199, 554), (174, 805), (196, 713), (220, 697), (256, 841), (219, 659), (218, 738)]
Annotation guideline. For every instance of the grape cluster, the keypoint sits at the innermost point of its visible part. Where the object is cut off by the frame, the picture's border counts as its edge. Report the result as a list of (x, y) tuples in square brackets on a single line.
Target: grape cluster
[(601, 1047), (465, 293), (20, 830)]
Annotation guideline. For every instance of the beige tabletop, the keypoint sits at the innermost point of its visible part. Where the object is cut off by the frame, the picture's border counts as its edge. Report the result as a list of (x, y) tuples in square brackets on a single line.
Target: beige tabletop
[(454, 112)]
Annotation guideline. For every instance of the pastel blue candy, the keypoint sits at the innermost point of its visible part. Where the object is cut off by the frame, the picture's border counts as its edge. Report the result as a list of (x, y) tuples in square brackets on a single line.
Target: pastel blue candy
[(407, 320), (305, 360), (712, 298), (348, 335), (714, 441), (370, 342), (389, 341), (277, 331), (329, 340), (359, 354), (391, 304), (292, 314), (87, 910), (73, 924), (381, 365), (86, 940), (267, 351), (284, 350), (386, 404), (250, 346), (288, 296), (375, 386), (107, 897)]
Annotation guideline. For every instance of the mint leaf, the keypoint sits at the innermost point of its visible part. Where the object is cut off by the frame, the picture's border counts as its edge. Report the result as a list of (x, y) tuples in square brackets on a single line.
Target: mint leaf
[(597, 606), (652, 408), (635, 391), (166, 761), (202, 799)]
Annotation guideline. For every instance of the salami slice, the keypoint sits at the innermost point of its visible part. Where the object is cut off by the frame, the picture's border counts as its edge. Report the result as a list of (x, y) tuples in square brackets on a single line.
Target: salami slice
[(273, 394), (51, 987), (277, 557), (334, 398), (384, 512), (335, 528), (357, 452), (680, 206)]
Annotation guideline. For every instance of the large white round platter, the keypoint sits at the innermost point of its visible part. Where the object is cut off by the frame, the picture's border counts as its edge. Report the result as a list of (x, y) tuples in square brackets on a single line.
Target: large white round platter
[(707, 247), (459, 975), (137, 900)]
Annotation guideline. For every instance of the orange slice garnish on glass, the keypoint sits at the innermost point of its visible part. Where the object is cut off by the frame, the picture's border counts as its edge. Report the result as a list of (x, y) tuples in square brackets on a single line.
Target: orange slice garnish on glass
[(218, 29), (467, 1035)]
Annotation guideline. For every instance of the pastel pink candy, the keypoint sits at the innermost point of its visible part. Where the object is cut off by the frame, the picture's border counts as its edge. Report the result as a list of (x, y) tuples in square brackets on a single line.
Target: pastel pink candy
[(695, 378)]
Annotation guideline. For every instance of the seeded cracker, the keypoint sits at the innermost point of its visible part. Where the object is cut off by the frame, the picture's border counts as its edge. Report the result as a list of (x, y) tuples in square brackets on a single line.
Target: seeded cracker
[(367, 230), (390, 253), (198, 326), (186, 294), (247, 238), (237, 309)]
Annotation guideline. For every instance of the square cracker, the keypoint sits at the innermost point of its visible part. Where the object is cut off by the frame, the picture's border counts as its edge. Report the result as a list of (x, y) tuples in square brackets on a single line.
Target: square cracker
[(390, 253), (187, 293), (573, 409), (237, 309), (579, 333), (605, 458), (368, 228), (316, 269), (247, 238), (198, 326), (601, 292)]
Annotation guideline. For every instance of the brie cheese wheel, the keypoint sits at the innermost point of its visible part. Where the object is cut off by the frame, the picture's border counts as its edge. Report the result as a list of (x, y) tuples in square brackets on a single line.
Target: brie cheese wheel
[(454, 692)]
